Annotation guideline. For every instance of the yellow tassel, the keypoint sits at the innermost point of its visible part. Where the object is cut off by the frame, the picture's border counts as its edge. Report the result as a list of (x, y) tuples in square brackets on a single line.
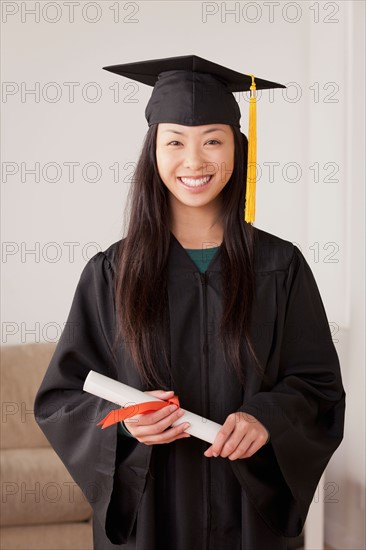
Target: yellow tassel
[(252, 156)]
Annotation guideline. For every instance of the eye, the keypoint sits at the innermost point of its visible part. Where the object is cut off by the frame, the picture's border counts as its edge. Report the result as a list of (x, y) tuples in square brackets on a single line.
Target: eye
[(173, 142), (215, 140)]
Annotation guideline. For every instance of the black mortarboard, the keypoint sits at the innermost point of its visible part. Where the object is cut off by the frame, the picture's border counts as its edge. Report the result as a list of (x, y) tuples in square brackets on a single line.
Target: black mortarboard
[(192, 91)]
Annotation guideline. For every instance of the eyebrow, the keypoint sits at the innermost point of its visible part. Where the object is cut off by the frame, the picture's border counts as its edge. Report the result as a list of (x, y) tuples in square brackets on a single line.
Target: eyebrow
[(205, 132)]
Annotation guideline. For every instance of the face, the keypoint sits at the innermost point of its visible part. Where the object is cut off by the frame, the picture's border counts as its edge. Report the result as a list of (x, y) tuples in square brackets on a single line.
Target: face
[(195, 162)]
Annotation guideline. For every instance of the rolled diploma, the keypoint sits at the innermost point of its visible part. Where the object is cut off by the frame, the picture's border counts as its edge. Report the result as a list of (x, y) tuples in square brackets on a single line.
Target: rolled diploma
[(123, 395)]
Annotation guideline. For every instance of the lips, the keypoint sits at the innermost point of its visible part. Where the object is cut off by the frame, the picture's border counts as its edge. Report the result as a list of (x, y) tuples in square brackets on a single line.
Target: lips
[(194, 182)]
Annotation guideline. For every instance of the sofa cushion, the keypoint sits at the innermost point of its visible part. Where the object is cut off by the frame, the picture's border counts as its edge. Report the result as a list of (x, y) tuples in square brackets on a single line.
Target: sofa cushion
[(22, 370), (37, 489), (64, 536)]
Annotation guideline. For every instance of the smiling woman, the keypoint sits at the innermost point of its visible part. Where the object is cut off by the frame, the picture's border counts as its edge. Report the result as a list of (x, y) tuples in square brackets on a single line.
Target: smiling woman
[(240, 336), (195, 169)]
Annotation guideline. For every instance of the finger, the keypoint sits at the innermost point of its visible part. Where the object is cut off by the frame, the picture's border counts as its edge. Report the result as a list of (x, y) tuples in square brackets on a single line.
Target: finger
[(162, 394), (156, 422), (222, 436), (241, 435), (231, 445), (245, 452), (153, 417), (249, 445), (167, 436), (254, 447), (161, 413), (167, 421), (236, 449), (208, 452)]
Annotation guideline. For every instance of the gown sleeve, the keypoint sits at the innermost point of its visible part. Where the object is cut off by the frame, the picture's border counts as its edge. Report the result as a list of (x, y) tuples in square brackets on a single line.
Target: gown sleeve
[(123, 430), (303, 411), (98, 460)]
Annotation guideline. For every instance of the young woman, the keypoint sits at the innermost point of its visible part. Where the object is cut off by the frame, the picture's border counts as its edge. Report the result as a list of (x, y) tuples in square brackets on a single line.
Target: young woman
[(226, 316)]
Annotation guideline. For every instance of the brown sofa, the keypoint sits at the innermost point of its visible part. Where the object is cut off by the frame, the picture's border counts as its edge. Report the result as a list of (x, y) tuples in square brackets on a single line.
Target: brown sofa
[(41, 506)]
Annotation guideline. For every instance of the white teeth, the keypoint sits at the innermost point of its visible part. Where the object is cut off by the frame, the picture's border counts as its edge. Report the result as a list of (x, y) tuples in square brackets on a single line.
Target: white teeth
[(195, 182)]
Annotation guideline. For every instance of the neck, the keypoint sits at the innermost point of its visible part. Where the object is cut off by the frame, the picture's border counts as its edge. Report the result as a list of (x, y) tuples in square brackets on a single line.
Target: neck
[(195, 227)]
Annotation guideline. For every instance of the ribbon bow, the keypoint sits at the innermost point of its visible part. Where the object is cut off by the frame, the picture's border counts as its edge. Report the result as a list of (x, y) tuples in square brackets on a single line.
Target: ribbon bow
[(141, 408)]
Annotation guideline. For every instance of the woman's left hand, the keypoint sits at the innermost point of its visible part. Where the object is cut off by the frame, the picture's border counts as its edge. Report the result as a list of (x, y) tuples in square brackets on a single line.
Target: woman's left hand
[(241, 436)]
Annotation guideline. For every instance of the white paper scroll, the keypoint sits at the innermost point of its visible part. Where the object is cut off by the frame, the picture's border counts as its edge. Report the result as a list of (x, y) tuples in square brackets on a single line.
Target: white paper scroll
[(124, 395)]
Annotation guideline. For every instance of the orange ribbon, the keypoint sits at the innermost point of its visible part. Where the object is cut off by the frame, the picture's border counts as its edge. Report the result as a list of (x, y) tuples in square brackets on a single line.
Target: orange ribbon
[(141, 408)]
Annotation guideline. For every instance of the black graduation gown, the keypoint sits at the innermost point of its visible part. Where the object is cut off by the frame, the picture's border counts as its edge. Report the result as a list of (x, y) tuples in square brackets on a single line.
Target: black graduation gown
[(152, 497)]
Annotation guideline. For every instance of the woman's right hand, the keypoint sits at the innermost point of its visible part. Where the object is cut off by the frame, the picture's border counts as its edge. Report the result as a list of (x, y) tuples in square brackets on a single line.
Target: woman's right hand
[(154, 428)]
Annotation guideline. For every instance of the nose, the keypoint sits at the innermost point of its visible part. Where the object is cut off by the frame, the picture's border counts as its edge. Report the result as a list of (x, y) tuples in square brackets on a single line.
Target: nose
[(193, 159)]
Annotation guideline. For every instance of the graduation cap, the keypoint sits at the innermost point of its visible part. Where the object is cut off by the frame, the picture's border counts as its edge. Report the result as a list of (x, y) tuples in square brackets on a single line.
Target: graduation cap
[(192, 91)]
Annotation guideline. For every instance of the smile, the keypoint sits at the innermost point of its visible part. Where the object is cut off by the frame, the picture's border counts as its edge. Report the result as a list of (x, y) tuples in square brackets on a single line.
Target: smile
[(195, 182)]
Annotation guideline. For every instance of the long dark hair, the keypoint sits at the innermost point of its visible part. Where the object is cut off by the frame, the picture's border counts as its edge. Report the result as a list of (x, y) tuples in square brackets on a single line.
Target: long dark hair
[(141, 267)]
